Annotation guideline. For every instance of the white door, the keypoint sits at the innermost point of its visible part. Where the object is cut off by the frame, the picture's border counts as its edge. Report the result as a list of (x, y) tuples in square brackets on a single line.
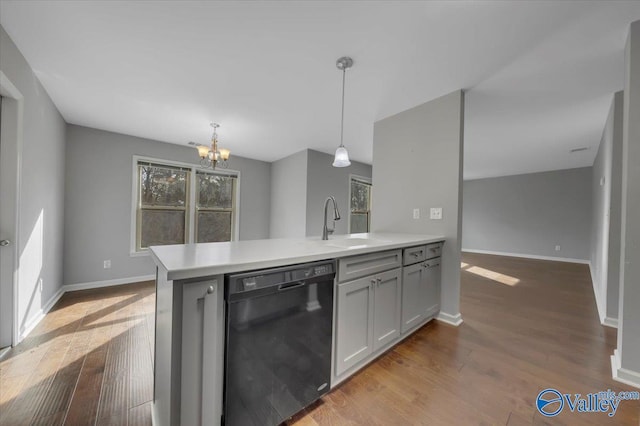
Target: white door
[(10, 122)]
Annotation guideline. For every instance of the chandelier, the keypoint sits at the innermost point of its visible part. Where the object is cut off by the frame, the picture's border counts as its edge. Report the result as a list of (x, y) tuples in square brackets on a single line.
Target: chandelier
[(212, 156)]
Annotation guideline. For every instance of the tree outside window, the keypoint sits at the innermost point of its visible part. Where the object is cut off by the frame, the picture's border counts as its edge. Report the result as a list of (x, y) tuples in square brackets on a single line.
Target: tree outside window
[(167, 202), (360, 208)]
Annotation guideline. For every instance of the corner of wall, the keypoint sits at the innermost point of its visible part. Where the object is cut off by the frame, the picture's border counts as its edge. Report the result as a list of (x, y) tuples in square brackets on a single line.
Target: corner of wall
[(600, 304)]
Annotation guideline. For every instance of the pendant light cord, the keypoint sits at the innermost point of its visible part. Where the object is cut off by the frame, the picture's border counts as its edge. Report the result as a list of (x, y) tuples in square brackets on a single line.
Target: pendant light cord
[(344, 73)]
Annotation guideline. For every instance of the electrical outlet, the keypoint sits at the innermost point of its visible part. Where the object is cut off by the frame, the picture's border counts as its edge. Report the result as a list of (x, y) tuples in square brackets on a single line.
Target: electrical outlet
[(436, 213), (107, 264), (416, 213), (557, 248)]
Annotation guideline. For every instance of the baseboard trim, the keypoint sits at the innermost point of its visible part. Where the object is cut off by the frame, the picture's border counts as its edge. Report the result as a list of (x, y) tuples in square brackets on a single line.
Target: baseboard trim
[(107, 283), (33, 322), (604, 319), (454, 320), (527, 256), (623, 375), (610, 322), (4, 351)]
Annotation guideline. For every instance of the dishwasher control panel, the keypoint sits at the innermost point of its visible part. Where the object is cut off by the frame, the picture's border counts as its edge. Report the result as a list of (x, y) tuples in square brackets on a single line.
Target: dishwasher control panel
[(256, 280)]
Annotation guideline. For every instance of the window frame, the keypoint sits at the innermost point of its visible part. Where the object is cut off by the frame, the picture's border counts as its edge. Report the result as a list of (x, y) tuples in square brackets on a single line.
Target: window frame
[(191, 203), (366, 180), (233, 209)]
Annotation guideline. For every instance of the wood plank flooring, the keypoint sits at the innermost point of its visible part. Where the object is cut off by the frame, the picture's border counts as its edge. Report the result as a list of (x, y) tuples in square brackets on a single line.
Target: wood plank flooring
[(89, 362), (528, 325)]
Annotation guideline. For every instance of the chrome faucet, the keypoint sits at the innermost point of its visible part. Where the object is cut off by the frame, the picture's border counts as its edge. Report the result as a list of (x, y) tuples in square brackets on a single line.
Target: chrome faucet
[(336, 216)]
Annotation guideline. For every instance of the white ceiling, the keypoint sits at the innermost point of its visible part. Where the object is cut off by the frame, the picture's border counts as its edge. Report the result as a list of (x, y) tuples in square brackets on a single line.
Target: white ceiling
[(540, 75)]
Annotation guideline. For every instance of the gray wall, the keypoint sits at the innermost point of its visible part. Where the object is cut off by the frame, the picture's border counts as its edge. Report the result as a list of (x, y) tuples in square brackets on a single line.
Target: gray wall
[(417, 163), (289, 196), (98, 201), (41, 208), (529, 214), (605, 224), (628, 354), (323, 180)]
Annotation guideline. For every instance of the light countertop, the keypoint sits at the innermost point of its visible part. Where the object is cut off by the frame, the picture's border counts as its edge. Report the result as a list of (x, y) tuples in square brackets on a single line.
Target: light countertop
[(184, 261)]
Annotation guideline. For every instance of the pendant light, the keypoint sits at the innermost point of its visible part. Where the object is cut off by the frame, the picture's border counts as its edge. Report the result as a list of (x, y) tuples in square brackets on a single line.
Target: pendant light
[(341, 158)]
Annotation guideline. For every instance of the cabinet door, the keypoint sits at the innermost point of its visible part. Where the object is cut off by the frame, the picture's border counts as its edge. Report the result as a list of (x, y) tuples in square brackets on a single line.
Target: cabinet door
[(387, 303), (413, 296), (202, 353), (354, 323), (432, 286)]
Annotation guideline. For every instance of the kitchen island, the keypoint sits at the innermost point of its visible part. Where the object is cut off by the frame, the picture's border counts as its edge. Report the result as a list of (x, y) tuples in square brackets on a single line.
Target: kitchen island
[(387, 285)]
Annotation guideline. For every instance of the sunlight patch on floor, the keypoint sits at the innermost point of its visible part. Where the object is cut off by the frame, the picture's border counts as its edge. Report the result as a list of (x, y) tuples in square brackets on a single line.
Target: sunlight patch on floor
[(492, 275)]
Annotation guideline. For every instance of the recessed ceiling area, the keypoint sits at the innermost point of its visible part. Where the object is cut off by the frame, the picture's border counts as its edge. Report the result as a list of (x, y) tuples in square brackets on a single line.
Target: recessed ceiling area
[(539, 75)]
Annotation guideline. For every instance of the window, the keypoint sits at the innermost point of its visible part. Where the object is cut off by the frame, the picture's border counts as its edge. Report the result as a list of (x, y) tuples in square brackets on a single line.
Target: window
[(163, 203), (360, 208), (180, 203), (216, 199)]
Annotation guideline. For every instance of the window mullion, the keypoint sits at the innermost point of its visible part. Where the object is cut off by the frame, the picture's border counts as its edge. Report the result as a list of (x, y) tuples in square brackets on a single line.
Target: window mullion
[(193, 205)]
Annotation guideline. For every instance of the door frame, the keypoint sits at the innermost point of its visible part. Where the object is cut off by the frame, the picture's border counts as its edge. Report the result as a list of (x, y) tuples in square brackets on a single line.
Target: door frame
[(11, 135)]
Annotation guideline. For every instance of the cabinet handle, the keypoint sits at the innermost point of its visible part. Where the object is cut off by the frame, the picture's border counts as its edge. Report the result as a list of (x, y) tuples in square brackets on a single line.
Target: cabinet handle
[(373, 281), (416, 253), (379, 280)]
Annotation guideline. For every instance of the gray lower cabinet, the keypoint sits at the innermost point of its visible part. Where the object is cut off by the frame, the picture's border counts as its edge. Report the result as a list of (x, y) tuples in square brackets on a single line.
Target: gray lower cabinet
[(368, 317), (189, 349), (414, 296), (433, 286), (420, 293), (202, 351), (386, 311), (354, 323)]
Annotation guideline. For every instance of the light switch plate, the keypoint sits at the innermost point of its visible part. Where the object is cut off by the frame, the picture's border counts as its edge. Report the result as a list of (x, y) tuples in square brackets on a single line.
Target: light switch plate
[(436, 213), (107, 264), (416, 213)]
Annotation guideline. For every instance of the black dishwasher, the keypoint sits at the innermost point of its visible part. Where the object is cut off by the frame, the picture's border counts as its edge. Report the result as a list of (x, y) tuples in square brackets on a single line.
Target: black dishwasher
[(278, 342)]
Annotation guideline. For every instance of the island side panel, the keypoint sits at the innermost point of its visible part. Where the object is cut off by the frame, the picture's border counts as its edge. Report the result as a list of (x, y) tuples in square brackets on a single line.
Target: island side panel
[(166, 391)]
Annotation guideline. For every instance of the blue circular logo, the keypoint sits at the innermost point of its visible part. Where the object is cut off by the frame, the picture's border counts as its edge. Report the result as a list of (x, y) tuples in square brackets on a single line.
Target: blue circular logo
[(549, 402)]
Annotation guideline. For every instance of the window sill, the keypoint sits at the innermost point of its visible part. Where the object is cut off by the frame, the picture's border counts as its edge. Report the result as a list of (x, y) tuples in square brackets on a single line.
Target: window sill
[(139, 253)]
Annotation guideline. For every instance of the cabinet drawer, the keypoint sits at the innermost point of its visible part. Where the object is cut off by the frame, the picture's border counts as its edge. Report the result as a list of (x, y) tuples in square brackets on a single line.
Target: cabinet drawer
[(354, 267), (434, 250), (414, 255)]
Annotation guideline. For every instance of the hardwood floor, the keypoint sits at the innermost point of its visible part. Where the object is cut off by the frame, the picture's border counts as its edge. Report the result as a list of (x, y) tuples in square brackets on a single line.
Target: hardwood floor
[(88, 362), (529, 325)]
